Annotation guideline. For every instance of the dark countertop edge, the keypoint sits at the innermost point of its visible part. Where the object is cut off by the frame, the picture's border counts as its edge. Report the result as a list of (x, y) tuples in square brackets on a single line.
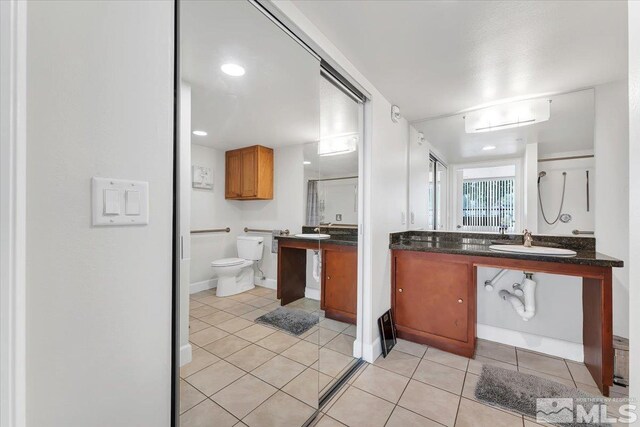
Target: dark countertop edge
[(609, 262), (576, 243), (333, 240)]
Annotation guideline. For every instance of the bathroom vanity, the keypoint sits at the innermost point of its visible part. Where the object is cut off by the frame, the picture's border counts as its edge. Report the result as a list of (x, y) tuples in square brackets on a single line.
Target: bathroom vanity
[(434, 279), (339, 272)]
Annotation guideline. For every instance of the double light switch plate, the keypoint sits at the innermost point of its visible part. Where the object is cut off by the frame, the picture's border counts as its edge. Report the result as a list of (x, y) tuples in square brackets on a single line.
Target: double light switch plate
[(119, 202)]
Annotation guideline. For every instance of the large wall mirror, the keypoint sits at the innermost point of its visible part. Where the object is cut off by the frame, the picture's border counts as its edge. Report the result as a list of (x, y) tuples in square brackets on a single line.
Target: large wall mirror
[(271, 145), (521, 165)]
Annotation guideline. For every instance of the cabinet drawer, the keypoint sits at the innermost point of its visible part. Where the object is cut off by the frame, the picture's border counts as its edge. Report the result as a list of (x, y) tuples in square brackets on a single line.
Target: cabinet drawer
[(432, 296)]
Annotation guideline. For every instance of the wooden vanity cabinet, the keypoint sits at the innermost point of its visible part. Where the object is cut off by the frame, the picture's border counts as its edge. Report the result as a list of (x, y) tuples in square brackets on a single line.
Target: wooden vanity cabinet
[(339, 296), (434, 301), (249, 173)]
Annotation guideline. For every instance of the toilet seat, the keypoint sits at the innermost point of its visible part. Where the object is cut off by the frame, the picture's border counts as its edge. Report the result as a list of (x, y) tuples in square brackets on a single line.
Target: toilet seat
[(227, 262)]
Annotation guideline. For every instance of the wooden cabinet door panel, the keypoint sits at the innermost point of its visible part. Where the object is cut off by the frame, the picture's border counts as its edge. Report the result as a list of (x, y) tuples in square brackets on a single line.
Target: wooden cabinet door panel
[(233, 174), (250, 172), (431, 296), (340, 289)]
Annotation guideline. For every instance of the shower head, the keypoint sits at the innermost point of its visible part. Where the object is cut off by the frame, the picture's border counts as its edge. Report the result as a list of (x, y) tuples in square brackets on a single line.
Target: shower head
[(540, 175)]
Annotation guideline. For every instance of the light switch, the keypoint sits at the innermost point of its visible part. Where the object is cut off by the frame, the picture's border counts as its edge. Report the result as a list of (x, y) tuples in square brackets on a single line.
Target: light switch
[(132, 202), (111, 202), (118, 202)]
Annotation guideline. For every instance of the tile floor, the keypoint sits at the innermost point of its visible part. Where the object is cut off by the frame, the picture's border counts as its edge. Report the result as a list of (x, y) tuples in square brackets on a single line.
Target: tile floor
[(421, 386), (244, 373)]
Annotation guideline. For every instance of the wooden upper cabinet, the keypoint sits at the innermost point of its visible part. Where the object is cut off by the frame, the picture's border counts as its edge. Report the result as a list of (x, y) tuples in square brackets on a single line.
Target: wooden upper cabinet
[(233, 174), (249, 173)]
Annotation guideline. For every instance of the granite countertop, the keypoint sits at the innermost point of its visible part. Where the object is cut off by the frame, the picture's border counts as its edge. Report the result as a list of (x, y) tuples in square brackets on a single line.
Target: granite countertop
[(335, 239), (339, 235), (477, 244)]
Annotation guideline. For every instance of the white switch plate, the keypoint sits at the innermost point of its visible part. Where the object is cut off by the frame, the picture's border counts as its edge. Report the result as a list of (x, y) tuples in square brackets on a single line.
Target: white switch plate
[(128, 205)]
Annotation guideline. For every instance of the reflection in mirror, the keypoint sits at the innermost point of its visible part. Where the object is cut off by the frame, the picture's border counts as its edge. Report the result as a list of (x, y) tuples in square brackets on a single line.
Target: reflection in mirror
[(332, 207), (250, 104), (526, 164)]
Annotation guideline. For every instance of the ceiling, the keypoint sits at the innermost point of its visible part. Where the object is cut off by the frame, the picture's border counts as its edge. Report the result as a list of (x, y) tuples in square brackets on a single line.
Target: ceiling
[(433, 58), (275, 103), (569, 129), (281, 100)]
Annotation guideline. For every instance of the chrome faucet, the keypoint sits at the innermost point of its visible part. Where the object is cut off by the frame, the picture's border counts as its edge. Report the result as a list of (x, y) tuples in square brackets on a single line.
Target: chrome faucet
[(528, 239)]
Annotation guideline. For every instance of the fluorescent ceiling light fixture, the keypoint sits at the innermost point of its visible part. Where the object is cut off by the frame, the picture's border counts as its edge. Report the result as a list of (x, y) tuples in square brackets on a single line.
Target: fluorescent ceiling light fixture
[(506, 116), (199, 133), (338, 144), (234, 70), (488, 147), (306, 162)]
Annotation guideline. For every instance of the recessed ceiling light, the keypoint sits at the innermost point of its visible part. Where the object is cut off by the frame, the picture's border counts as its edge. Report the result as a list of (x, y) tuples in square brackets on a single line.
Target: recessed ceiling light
[(234, 70), (199, 133), (306, 162), (488, 147)]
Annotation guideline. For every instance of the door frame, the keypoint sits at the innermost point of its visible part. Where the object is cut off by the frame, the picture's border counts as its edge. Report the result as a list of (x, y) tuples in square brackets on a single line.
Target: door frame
[(13, 37)]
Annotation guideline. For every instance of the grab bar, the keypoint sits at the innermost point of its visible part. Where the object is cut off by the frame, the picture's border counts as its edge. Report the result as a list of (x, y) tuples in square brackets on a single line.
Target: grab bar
[(211, 230), (576, 232), (258, 230)]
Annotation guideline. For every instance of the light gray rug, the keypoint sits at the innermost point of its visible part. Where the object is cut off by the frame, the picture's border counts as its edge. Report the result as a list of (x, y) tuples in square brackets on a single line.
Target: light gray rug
[(291, 320), (519, 392)]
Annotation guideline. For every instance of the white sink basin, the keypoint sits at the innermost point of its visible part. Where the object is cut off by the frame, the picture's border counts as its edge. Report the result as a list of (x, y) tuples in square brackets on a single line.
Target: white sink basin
[(534, 250), (313, 236)]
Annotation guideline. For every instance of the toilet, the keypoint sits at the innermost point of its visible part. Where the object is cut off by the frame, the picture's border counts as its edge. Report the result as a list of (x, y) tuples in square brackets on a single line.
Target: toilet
[(236, 275)]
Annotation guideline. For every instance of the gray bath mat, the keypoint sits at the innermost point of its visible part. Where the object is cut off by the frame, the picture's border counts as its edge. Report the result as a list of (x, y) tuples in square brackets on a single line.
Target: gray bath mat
[(519, 392), (294, 321)]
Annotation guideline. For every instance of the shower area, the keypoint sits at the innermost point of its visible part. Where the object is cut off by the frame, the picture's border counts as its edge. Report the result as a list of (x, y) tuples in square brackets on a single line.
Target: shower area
[(565, 190)]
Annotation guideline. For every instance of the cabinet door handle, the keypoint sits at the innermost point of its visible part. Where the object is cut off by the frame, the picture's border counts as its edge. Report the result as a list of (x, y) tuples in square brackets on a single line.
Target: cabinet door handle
[(328, 277), (460, 301), (400, 290)]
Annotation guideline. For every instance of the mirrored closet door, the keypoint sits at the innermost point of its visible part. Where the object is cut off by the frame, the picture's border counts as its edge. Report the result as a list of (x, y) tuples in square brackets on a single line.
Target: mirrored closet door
[(270, 143)]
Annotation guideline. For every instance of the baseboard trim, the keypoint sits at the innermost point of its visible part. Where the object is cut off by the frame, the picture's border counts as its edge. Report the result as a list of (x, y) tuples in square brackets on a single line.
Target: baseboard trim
[(552, 346), (265, 283), (202, 286), (186, 354), (312, 293), (357, 349), (370, 352)]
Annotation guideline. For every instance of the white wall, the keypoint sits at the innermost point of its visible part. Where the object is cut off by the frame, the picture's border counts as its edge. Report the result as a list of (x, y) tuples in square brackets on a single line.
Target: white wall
[(612, 191), (100, 95), (575, 198), (339, 197), (209, 209), (634, 197), (530, 174), (558, 313), (418, 180)]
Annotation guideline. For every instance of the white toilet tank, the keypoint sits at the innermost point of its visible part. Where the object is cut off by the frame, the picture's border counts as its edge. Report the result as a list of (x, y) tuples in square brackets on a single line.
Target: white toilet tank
[(250, 247)]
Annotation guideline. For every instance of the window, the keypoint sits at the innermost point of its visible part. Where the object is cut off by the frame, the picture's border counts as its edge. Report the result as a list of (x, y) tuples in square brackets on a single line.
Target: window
[(488, 199), (436, 218)]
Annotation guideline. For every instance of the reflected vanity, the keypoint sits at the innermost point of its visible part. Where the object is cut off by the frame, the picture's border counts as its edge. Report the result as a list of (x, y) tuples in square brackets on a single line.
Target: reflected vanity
[(280, 136)]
